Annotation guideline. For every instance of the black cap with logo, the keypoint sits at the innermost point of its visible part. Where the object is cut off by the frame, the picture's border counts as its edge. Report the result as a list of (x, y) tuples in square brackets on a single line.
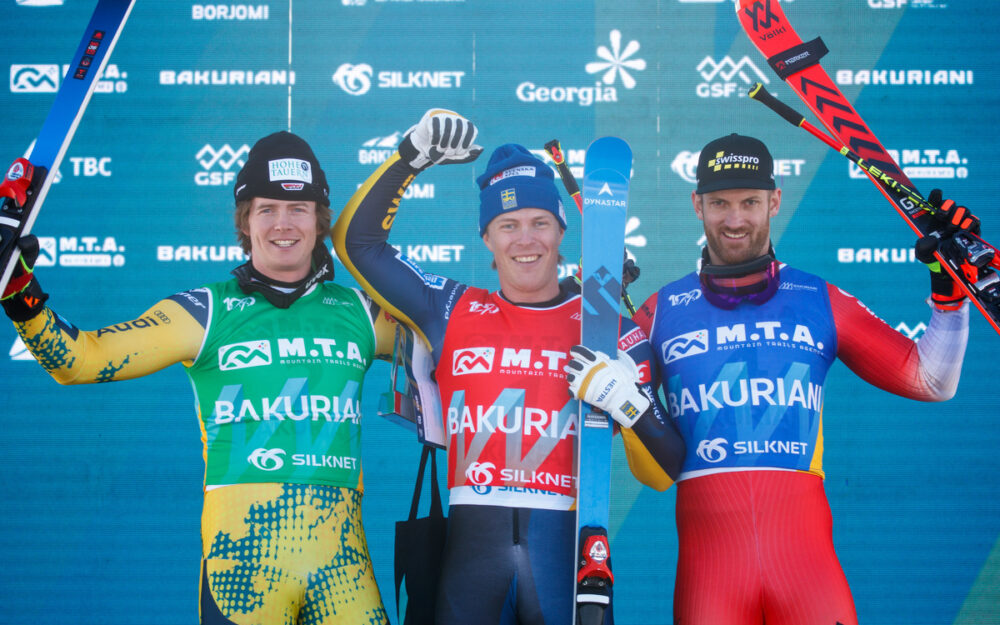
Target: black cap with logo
[(734, 162), (282, 166)]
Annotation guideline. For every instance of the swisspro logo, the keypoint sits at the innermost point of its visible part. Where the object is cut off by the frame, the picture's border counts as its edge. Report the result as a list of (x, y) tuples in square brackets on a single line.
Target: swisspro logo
[(723, 79), (357, 79), (267, 459), (80, 251), (46, 78), (684, 345), (472, 360), (615, 63), (945, 164), (244, 355), (219, 165), (685, 165)]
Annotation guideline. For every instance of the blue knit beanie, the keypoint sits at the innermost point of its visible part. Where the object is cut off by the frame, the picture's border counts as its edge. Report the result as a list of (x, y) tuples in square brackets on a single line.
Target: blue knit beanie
[(515, 178)]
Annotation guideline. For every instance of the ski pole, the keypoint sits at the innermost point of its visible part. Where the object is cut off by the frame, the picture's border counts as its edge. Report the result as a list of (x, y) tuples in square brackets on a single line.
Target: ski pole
[(974, 254)]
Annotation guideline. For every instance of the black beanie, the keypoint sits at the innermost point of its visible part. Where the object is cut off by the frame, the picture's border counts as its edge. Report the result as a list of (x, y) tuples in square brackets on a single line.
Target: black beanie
[(282, 166)]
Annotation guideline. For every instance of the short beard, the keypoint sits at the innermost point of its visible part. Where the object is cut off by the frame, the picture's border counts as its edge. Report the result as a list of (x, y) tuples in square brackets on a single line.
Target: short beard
[(759, 242)]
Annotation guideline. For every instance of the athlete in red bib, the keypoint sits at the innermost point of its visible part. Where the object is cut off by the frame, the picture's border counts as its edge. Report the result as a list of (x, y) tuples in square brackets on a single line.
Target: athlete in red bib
[(742, 348), (499, 364)]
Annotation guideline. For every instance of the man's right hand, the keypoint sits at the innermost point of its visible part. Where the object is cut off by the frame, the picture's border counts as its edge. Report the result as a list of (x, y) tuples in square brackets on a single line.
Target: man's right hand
[(441, 136), (23, 297), (950, 220)]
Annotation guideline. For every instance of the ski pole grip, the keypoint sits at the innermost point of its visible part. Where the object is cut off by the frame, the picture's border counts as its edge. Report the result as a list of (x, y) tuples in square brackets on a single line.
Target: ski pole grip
[(762, 95)]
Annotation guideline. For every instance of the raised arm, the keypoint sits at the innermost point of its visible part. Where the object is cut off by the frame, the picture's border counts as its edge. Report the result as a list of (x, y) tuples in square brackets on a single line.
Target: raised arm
[(360, 236)]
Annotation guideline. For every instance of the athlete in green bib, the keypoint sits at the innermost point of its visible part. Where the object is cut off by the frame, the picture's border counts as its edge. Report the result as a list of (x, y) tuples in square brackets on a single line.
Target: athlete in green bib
[(276, 356)]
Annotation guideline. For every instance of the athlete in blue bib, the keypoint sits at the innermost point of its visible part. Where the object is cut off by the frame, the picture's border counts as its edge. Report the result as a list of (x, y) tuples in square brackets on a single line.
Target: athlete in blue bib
[(743, 347)]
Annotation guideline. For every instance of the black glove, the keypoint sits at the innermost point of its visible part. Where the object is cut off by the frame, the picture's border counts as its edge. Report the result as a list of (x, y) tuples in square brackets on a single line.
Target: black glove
[(952, 221), (951, 217), (23, 298)]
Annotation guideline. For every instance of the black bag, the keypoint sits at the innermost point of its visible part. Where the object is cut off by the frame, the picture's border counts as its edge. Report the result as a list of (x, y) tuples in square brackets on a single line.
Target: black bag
[(420, 550)]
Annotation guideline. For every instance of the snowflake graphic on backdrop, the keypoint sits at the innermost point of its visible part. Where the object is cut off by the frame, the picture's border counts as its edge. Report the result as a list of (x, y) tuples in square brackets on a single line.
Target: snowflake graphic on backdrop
[(633, 239), (616, 61)]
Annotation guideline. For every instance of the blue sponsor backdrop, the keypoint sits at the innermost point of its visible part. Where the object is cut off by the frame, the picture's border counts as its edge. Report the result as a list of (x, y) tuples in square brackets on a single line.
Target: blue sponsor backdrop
[(102, 486)]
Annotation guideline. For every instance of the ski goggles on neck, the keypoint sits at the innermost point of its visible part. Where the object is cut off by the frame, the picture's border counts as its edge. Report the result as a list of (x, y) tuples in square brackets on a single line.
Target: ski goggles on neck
[(729, 291)]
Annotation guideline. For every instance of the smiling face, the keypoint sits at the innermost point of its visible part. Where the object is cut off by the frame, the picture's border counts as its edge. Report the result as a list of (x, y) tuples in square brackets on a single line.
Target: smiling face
[(282, 236), (525, 245), (737, 223)]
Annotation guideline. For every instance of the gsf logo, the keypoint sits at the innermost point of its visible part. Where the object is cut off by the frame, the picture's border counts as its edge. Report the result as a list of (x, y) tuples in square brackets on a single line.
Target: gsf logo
[(723, 78), (219, 164)]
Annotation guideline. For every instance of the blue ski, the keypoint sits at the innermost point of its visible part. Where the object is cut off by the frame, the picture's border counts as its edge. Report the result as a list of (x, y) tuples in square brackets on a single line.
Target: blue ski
[(31, 184), (607, 170)]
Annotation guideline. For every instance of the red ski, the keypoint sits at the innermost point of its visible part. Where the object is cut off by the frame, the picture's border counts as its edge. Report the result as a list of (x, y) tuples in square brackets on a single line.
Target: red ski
[(971, 262)]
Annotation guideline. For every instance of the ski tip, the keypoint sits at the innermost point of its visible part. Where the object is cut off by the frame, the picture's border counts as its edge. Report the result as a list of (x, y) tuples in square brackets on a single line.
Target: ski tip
[(610, 143)]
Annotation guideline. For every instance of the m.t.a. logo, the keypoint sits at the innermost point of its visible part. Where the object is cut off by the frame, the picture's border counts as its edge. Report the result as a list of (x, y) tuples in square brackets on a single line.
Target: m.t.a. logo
[(258, 353), (472, 360), (738, 336)]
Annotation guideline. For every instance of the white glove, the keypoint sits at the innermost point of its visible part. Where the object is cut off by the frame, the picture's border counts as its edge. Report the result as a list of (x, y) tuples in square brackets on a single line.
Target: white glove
[(611, 385), (441, 136)]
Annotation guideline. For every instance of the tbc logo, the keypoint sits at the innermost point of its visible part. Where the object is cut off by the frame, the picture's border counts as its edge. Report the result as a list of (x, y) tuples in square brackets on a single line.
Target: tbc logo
[(267, 459), (480, 473), (34, 78), (472, 360), (712, 450), (354, 79), (244, 355), (755, 12), (684, 345)]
